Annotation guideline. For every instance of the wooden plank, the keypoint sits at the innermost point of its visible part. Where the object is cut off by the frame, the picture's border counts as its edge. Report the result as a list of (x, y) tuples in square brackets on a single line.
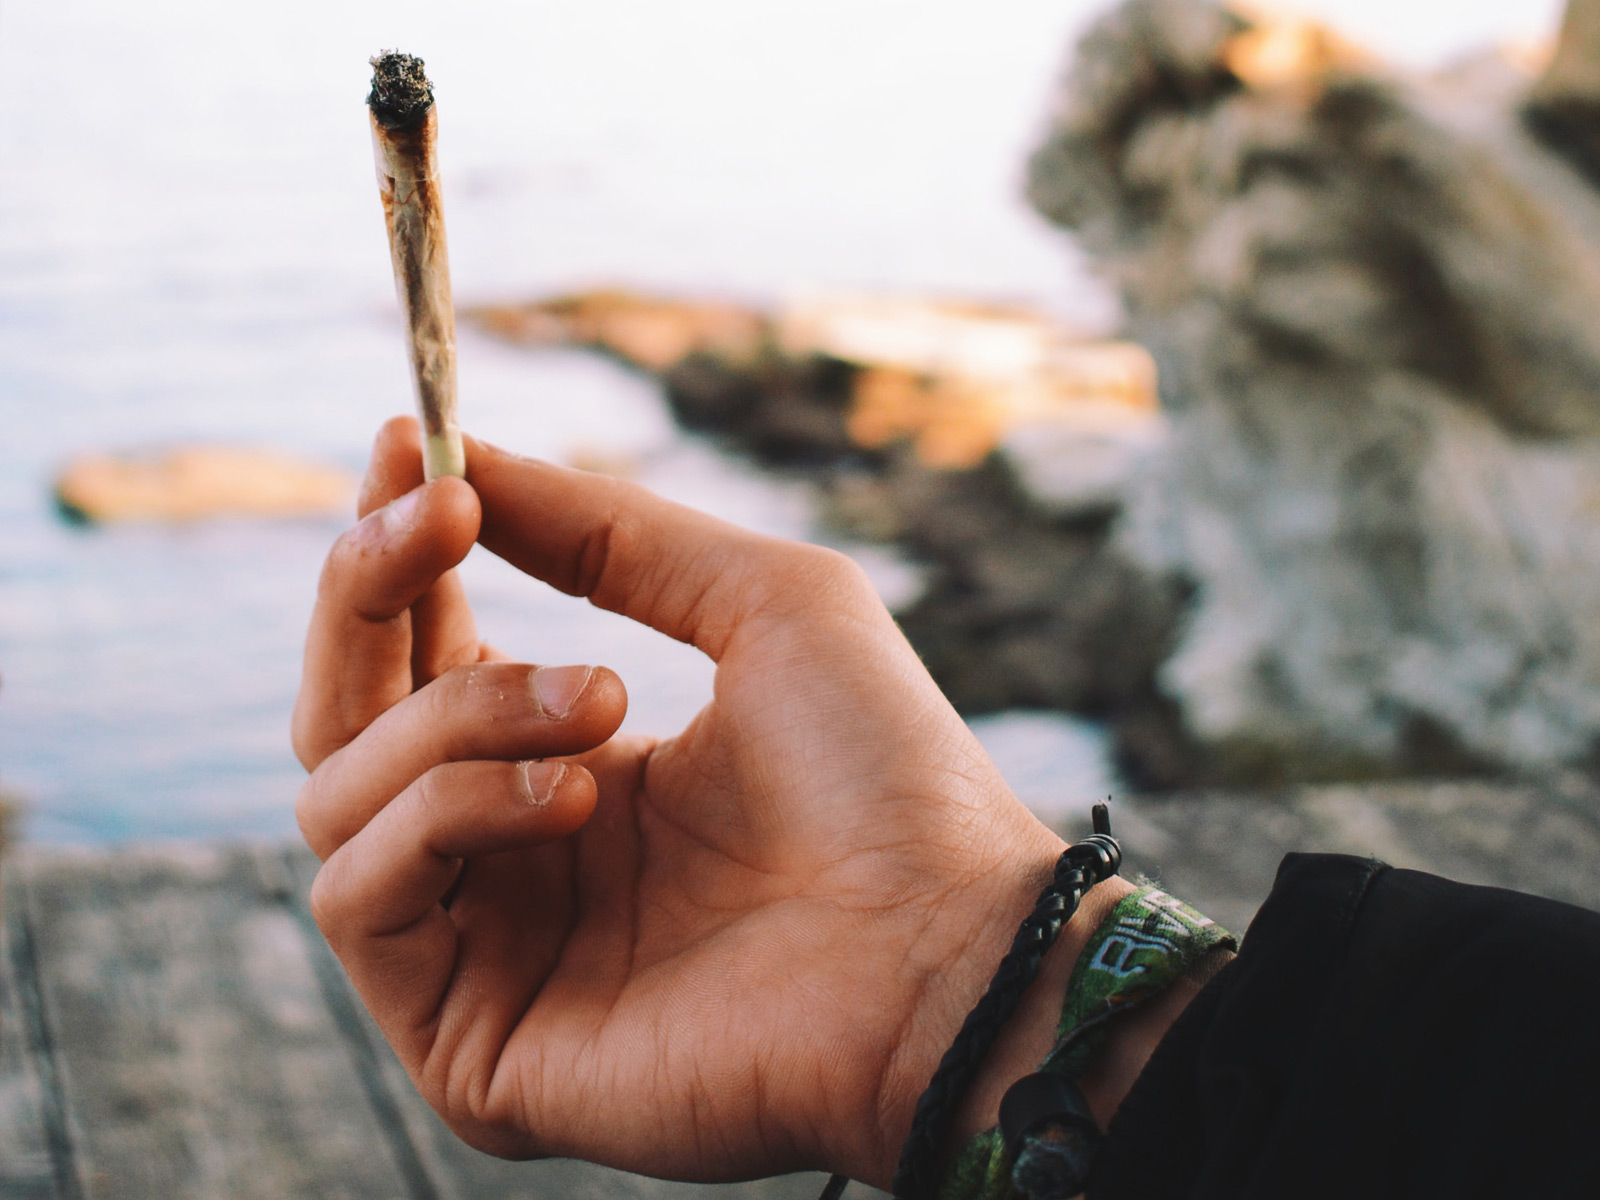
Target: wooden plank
[(28, 1168), (173, 1025), (197, 1056)]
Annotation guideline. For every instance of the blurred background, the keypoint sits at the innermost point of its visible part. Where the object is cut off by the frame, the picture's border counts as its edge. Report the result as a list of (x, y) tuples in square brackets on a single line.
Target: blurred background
[(1231, 575)]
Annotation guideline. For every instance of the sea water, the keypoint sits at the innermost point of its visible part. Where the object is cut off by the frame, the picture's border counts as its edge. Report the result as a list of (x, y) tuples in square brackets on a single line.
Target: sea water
[(191, 250)]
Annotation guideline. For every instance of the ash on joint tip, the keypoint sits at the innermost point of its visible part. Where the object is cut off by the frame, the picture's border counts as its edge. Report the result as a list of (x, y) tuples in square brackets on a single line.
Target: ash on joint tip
[(401, 94)]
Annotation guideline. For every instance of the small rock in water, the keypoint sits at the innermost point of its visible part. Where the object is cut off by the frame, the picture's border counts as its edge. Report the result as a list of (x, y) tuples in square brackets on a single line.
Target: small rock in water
[(194, 482)]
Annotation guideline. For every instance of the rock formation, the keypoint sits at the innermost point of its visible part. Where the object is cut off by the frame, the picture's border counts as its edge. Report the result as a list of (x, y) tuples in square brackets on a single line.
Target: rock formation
[(1380, 359), (849, 376)]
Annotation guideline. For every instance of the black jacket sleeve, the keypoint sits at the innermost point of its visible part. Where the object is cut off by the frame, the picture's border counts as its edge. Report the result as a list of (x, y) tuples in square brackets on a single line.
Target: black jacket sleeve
[(1382, 1033)]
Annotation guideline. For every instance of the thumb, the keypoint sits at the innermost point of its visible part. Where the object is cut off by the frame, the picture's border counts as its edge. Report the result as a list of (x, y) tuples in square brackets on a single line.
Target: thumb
[(690, 576)]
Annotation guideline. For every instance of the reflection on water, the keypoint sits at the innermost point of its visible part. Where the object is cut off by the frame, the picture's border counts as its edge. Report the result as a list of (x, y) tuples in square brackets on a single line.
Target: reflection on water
[(202, 259)]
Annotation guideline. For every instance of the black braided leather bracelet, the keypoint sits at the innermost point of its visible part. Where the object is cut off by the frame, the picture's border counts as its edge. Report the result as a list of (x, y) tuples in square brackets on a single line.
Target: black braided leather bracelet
[(1081, 866)]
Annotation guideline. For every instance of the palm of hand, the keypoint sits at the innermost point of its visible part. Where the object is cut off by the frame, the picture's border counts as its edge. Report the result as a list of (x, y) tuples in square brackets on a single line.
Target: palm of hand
[(700, 936)]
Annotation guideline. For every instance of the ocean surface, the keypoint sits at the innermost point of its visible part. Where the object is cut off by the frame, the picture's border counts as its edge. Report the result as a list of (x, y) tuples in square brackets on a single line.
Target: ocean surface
[(191, 250)]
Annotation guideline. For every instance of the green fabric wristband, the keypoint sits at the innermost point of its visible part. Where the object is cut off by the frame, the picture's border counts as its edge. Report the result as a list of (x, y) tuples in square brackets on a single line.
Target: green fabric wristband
[(1149, 941)]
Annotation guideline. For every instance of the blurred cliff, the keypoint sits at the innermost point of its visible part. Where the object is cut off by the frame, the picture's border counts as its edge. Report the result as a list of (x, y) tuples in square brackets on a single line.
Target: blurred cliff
[(1373, 300)]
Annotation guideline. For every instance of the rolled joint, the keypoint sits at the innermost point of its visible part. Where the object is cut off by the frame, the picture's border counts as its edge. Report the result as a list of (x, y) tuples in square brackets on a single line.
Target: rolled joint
[(406, 158), (443, 453), (404, 135)]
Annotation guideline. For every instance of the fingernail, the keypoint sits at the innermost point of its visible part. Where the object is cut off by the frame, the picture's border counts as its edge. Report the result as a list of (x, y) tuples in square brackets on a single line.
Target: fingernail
[(556, 689), (397, 515), (540, 779)]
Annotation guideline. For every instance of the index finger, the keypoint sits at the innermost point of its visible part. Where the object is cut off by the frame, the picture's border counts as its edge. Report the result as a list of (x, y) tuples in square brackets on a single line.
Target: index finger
[(359, 647), (444, 634)]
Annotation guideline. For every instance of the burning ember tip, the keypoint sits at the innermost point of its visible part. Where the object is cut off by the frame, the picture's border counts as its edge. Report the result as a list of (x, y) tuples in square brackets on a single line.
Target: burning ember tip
[(401, 94)]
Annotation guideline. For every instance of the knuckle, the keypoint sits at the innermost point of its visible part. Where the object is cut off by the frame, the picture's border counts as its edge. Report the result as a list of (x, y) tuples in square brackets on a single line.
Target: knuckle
[(327, 899), (336, 567), (614, 539), (307, 812), (311, 731), (452, 707), (802, 580), (316, 812), (468, 701), (348, 582), (836, 575), (444, 703), (430, 796), (305, 747), (460, 684)]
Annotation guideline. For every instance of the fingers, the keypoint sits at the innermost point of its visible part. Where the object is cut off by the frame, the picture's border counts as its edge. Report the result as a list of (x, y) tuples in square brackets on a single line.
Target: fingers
[(395, 467), (360, 645), (377, 899), (485, 711), (443, 632), (689, 575)]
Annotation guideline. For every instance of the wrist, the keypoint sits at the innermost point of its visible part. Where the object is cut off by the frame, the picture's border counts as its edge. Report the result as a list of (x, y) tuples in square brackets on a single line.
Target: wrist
[(959, 978), (1031, 1034), (1120, 974), (964, 938)]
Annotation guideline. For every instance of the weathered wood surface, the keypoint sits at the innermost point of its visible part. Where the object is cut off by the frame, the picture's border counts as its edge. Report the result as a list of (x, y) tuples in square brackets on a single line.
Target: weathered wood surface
[(175, 1028), (172, 1025)]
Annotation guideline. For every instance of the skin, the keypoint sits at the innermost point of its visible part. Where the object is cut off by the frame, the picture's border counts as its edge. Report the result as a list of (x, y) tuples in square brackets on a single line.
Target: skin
[(729, 953)]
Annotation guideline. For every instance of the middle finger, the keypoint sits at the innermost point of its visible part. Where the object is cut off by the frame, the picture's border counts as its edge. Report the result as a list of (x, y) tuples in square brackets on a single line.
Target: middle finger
[(505, 711)]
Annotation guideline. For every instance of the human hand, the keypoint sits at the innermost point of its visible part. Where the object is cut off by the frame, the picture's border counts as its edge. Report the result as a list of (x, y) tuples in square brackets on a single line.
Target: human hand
[(737, 951)]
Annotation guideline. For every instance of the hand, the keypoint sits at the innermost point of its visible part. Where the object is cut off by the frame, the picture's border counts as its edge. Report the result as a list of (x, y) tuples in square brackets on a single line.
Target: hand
[(734, 952)]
